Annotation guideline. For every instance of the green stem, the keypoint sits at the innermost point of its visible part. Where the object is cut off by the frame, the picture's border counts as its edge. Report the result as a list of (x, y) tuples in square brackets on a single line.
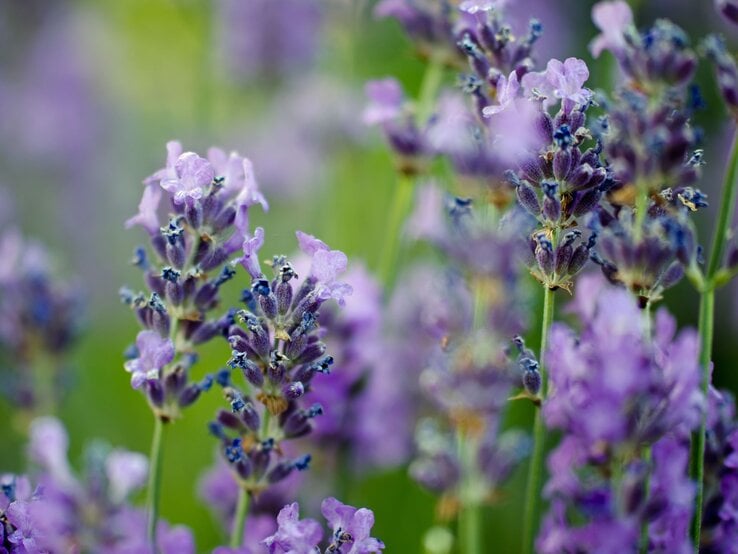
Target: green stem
[(646, 455), (428, 89), (706, 327), (239, 521), (727, 206), (535, 469), (469, 529), (697, 466), (401, 201), (154, 488)]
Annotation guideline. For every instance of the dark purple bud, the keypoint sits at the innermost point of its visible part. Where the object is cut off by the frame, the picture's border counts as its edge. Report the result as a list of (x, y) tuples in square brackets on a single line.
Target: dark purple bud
[(581, 176), (230, 420), (544, 254), (729, 10), (672, 275), (189, 395), (204, 332), (280, 472), (293, 391), (562, 164), (578, 258), (159, 244), (224, 219), (193, 213), (532, 382), (268, 305), (584, 202), (528, 198), (155, 392), (203, 250), (244, 467), (532, 171), (295, 346), (155, 283), (284, 297), (552, 209), (174, 381), (311, 353), (253, 374), (176, 254), (216, 258), (276, 372), (174, 293), (250, 416)]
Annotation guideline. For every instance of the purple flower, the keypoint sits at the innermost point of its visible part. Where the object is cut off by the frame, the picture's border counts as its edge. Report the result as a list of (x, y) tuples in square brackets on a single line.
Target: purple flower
[(426, 221), (48, 448), (326, 266), (560, 80), (147, 216), (154, 352), (192, 174), (251, 247), (126, 473), (239, 181), (351, 527), (174, 151), (507, 94), (294, 535), (729, 9), (386, 100), (476, 6), (613, 19)]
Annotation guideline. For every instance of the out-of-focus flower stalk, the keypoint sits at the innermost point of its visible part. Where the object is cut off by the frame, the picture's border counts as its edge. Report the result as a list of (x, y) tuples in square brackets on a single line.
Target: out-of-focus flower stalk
[(405, 187), (153, 490), (706, 324), (535, 469), (242, 509)]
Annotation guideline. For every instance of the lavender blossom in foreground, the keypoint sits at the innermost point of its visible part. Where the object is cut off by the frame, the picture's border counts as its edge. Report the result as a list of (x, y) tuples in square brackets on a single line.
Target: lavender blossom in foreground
[(39, 322), (209, 201), (17, 533), (615, 389), (279, 353), (350, 531)]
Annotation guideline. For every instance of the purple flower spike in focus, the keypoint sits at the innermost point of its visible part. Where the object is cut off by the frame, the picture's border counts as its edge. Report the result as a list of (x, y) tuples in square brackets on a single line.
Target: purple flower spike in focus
[(154, 352), (189, 261), (613, 19)]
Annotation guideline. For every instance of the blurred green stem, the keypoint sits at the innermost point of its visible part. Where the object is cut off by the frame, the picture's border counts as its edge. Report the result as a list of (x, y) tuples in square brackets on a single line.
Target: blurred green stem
[(470, 508), (535, 469), (154, 488), (239, 521), (706, 327), (405, 186)]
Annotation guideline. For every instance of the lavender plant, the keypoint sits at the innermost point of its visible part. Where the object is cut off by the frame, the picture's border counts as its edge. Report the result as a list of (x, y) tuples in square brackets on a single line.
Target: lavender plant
[(208, 222)]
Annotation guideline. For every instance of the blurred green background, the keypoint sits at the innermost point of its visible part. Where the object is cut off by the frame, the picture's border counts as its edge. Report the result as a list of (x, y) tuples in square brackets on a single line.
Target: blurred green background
[(90, 91)]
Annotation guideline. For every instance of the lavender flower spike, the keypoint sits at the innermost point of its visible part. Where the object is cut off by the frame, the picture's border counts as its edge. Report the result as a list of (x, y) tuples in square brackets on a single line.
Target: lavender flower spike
[(613, 19)]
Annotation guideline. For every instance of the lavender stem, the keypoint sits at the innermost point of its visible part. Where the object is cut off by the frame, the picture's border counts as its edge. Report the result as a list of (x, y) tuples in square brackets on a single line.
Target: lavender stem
[(239, 520), (535, 469), (706, 324), (154, 487)]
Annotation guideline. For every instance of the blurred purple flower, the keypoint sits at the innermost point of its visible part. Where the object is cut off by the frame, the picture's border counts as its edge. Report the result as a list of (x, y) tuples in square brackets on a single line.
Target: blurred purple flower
[(386, 101), (613, 19), (260, 39), (729, 9), (154, 352), (126, 472)]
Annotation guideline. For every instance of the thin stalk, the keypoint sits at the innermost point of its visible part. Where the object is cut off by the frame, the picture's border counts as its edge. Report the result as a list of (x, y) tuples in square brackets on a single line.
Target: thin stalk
[(535, 469), (405, 186), (646, 455), (697, 465), (401, 202), (239, 520), (154, 488), (706, 326), (469, 512), (469, 529)]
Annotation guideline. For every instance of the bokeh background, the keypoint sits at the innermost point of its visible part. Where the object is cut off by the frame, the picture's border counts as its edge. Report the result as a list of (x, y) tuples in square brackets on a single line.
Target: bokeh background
[(91, 90)]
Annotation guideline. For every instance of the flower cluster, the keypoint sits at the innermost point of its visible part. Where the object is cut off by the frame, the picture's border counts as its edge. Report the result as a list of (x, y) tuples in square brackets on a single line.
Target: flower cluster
[(209, 201), (39, 322), (91, 513), (617, 391), (279, 352)]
